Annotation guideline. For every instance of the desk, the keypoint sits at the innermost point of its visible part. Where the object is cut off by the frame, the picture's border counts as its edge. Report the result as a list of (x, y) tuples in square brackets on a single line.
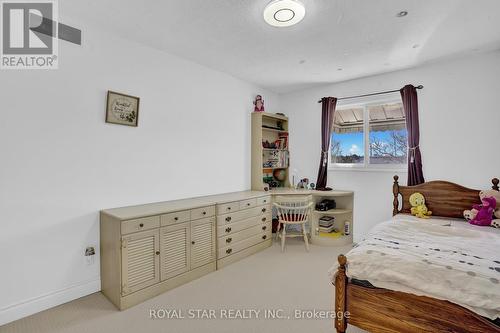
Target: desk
[(343, 212)]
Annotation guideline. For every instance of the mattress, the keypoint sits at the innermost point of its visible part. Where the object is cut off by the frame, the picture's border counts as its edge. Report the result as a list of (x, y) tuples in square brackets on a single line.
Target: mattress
[(442, 258)]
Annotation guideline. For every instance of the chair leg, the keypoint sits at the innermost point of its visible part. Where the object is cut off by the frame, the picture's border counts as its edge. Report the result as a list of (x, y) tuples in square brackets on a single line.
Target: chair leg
[(278, 231), (283, 237), (306, 241)]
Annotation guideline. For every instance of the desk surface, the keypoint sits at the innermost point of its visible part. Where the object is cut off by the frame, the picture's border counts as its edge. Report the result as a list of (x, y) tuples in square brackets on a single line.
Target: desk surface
[(157, 208), (292, 191)]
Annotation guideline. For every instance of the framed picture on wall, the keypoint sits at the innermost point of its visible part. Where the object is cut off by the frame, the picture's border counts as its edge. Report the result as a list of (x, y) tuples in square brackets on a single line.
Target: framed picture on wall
[(122, 109)]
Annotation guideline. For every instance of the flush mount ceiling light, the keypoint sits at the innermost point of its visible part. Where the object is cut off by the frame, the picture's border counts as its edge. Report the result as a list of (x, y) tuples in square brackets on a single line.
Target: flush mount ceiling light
[(284, 13), (402, 14)]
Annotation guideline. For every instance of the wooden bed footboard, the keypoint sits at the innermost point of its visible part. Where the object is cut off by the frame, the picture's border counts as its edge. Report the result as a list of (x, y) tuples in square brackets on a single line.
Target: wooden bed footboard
[(379, 310)]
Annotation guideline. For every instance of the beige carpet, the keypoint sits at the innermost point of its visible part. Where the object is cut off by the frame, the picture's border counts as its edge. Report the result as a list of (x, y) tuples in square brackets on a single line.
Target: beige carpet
[(294, 280)]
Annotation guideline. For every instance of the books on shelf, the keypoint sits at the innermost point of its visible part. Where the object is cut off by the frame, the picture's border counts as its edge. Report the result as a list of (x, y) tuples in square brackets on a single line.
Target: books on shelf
[(275, 159), (326, 221), (326, 229)]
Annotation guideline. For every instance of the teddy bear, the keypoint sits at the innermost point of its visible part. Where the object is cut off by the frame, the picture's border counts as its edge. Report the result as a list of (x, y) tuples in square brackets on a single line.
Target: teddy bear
[(485, 211), (470, 214), (418, 207)]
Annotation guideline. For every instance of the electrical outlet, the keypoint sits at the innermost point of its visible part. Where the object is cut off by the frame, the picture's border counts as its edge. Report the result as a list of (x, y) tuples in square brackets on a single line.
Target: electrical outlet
[(89, 255)]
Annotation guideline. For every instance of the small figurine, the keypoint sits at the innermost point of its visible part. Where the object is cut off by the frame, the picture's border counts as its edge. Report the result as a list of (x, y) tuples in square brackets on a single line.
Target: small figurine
[(259, 104)]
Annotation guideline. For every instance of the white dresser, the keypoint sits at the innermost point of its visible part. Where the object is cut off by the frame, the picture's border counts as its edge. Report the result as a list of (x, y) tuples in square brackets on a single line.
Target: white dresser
[(149, 249), (243, 225)]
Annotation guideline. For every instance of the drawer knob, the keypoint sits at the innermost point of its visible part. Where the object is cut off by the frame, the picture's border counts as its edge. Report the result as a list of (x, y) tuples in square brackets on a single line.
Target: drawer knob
[(192, 242), (265, 201), (228, 229), (157, 253), (264, 237), (263, 210), (228, 208), (176, 218), (229, 251), (229, 240), (248, 203), (264, 219), (141, 225), (204, 213), (264, 228), (228, 218)]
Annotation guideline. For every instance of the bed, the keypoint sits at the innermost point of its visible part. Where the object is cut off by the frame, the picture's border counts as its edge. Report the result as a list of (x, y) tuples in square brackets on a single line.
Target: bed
[(409, 276)]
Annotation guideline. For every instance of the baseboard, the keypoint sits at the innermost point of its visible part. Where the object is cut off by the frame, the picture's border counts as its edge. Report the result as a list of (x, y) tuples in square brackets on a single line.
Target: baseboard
[(26, 308)]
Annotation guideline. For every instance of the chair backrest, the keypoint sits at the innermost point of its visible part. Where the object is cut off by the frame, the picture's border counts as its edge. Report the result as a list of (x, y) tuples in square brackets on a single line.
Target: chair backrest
[(293, 209)]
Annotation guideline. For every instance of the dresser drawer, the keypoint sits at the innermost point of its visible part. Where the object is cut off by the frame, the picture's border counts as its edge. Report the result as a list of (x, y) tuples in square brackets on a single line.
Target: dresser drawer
[(200, 213), (243, 214), (245, 204), (241, 245), (263, 201), (228, 208), (243, 234), (228, 229), (177, 217), (141, 224)]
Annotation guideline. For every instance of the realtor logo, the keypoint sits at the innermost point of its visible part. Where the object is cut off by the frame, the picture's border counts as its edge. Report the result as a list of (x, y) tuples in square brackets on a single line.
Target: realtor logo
[(27, 35)]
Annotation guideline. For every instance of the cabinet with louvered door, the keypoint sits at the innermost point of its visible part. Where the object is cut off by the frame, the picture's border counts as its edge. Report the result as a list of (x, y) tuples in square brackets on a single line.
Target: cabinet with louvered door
[(175, 250), (202, 242), (140, 261)]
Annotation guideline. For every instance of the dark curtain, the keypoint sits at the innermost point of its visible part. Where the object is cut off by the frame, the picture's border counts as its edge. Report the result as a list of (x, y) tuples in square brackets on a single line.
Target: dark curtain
[(328, 105), (410, 104)]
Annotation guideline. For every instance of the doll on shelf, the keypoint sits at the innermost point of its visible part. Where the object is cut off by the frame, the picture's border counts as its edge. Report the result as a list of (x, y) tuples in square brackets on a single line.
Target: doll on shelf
[(259, 104)]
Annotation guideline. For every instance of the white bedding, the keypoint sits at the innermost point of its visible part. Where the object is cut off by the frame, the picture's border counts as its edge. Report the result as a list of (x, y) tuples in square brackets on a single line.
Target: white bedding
[(447, 259)]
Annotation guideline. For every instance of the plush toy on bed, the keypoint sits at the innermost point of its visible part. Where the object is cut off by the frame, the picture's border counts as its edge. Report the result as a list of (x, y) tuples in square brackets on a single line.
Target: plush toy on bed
[(418, 207), (471, 215)]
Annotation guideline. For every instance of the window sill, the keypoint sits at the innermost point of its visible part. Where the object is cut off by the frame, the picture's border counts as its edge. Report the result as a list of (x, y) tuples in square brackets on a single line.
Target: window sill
[(368, 169)]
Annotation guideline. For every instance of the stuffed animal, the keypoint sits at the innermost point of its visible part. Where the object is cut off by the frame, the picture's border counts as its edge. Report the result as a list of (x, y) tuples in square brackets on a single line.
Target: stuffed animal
[(470, 214), (418, 207), (485, 212)]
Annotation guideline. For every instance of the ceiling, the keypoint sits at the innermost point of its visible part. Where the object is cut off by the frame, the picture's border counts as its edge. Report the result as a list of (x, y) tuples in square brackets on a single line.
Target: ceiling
[(338, 40)]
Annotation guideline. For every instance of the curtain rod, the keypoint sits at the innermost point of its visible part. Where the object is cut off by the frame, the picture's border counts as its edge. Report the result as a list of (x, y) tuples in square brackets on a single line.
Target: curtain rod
[(373, 94)]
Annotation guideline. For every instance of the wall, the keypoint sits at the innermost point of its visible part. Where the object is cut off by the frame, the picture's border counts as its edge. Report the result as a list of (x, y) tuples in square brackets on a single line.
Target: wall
[(459, 125), (61, 163)]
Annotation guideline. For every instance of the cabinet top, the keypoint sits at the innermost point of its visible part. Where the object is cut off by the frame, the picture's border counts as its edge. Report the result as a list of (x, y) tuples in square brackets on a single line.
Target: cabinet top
[(164, 207)]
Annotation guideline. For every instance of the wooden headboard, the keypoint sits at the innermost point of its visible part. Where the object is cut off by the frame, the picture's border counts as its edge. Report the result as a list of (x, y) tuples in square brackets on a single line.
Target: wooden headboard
[(442, 198)]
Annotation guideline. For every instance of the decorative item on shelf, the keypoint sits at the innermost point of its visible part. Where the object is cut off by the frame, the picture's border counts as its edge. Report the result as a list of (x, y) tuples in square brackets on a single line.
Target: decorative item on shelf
[(280, 174), (259, 104), (280, 114), (268, 145), (273, 184), (347, 228), (303, 183), (326, 204), (312, 186), (122, 109)]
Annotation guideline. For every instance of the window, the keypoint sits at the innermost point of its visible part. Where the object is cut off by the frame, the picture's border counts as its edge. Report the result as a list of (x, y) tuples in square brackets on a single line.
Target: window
[(371, 135)]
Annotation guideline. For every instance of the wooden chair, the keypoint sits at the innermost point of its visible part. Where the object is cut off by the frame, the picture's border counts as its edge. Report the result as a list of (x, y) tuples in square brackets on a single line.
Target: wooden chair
[(292, 210)]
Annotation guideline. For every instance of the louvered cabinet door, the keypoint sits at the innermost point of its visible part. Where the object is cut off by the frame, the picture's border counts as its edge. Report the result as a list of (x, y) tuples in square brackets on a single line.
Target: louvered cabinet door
[(202, 242), (140, 261), (174, 250)]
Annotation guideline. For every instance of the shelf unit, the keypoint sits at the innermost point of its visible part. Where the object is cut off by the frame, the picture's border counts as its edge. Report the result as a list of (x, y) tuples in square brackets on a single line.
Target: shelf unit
[(262, 172), (344, 212)]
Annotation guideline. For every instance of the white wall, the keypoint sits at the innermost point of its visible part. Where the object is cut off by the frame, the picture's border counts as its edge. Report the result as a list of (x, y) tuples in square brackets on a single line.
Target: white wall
[(61, 163), (459, 125)]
